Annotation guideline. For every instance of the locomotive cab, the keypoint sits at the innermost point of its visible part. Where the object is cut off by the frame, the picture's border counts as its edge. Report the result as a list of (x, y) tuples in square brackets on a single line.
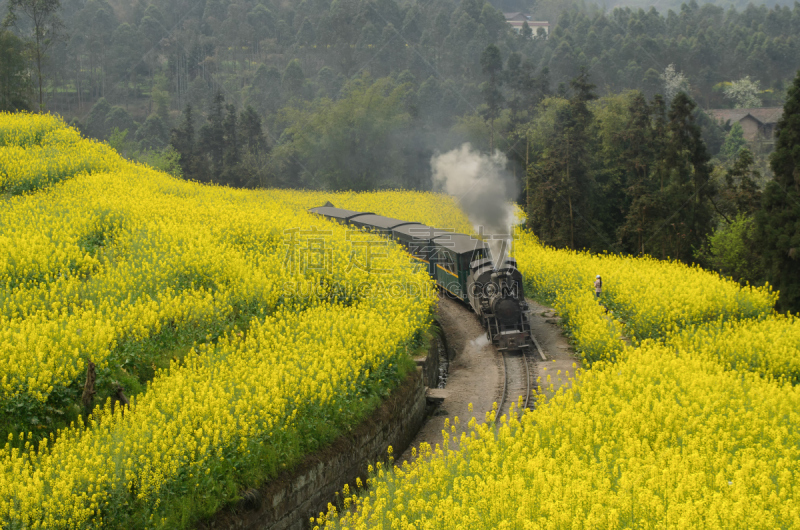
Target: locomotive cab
[(498, 296)]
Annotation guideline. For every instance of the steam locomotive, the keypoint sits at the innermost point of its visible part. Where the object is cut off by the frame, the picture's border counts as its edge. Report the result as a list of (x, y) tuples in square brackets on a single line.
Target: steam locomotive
[(462, 267)]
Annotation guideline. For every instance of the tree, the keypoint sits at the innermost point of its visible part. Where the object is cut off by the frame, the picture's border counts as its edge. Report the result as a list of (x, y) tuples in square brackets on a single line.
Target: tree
[(96, 119), (778, 221), (492, 66), (732, 251), (119, 118), (351, 143), (183, 142), (230, 156), (561, 182), (686, 188), (638, 159), (526, 32), (46, 28), (153, 134), (254, 150), (14, 81), (744, 93), (674, 82), (212, 137), (734, 142), (251, 134), (293, 79)]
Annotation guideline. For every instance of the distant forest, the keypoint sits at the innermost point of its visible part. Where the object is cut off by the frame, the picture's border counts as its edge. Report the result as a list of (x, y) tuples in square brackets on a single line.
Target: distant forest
[(302, 67)]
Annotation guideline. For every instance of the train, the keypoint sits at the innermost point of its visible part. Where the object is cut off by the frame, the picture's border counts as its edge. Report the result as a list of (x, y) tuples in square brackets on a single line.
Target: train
[(462, 267)]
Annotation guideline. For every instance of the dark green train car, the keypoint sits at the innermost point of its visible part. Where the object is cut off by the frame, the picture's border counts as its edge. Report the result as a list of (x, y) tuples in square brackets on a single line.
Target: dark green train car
[(452, 254), (446, 255)]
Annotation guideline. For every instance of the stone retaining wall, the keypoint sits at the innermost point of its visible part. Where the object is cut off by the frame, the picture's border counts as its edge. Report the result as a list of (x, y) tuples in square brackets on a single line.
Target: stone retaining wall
[(288, 501), (429, 364)]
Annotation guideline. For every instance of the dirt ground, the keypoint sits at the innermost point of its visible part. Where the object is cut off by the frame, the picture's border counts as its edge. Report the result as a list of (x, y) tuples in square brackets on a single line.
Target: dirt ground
[(475, 374), (561, 359)]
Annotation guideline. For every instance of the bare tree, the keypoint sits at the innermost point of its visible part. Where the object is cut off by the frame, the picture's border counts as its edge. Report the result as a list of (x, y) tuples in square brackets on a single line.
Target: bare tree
[(46, 28)]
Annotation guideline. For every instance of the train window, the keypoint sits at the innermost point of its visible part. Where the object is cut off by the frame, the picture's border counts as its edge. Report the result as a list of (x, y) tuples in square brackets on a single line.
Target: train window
[(449, 263)]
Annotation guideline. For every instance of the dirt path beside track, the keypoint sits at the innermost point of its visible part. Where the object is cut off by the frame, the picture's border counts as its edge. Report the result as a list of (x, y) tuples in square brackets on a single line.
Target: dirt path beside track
[(561, 358), (475, 374)]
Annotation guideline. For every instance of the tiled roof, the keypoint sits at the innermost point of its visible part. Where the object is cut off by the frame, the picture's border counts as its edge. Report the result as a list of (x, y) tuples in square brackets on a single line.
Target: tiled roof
[(768, 114), (764, 115)]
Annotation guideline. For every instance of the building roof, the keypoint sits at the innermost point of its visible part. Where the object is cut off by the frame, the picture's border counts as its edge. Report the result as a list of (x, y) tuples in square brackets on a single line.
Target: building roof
[(767, 114), (764, 115), (516, 16), (378, 221)]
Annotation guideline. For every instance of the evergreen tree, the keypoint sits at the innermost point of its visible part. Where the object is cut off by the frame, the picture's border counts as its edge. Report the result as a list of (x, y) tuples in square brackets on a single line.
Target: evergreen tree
[(685, 197), (778, 221), (638, 159), (212, 138), (183, 142), (741, 186), (251, 134), (734, 141), (254, 150), (492, 65), (230, 156), (561, 182)]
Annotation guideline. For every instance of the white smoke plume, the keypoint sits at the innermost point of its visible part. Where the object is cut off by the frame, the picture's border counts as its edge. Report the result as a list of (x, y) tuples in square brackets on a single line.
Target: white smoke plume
[(484, 189)]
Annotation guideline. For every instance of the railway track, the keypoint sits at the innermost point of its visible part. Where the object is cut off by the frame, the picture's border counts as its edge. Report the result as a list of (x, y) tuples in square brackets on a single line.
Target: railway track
[(518, 379)]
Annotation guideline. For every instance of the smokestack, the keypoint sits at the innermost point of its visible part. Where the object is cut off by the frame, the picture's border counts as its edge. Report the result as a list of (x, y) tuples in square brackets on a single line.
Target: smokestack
[(483, 189)]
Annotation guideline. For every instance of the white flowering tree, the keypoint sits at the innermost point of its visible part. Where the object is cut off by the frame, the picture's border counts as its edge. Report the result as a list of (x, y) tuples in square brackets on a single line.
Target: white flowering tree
[(674, 82), (744, 93)]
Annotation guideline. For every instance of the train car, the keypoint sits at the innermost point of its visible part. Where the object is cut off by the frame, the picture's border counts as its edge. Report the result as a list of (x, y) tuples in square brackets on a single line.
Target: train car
[(417, 238), (337, 214), (462, 266), (452, 254), (378, 223)]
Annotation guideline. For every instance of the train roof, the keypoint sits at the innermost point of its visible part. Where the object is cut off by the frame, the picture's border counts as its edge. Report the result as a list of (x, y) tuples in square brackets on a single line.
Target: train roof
[(420, 231), (459, 243), (337, 213), (379, 221)]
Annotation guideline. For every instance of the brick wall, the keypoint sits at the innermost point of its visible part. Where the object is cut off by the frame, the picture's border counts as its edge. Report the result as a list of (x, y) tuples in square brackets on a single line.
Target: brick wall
[(287, 502)]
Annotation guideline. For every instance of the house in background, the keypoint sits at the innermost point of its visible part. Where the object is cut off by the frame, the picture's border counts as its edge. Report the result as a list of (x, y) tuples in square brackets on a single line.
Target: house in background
[(758, 125), (516, 20)]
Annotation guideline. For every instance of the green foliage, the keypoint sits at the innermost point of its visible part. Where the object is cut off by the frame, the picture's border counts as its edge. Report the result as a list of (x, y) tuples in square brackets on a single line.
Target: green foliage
[(43, 28), (561, 183), (349, 143), (734, 142), (778, 220), (15, 85), (164, 158), (732, 250), (96, 119)]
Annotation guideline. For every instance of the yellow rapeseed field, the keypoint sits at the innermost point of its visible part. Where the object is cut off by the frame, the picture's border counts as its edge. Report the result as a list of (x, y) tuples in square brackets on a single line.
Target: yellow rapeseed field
[(694, 426), (662, 439), (647, 298), (295, 321), (769, 346)]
